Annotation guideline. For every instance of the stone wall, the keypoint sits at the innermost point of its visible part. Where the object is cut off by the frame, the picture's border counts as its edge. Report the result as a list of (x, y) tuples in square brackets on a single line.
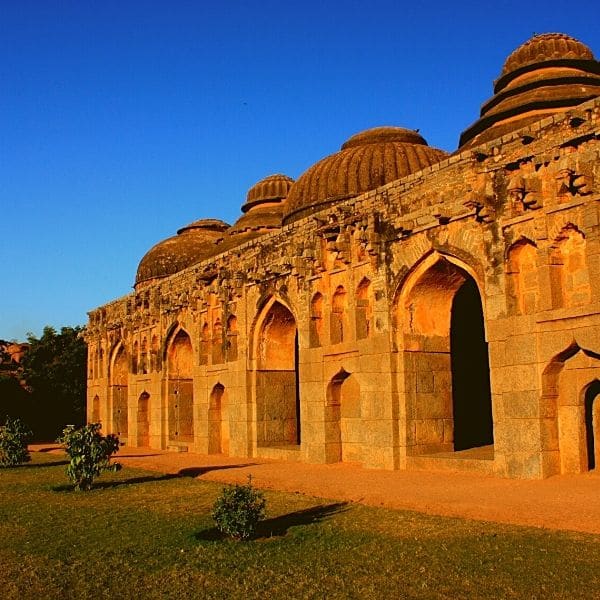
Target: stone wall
[(368, 287)]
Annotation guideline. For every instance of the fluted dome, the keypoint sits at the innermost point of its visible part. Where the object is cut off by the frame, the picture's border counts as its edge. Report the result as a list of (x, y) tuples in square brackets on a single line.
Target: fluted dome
[(549, 73), (544, 47), (273, 188), (193, 243), (366, 161), (263, 209)]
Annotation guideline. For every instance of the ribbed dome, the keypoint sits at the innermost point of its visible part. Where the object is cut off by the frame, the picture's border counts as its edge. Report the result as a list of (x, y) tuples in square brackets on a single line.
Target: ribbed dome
[(549, 73), (270, 189), (264, 206), (193, 243), (366, 161), (546, 46)]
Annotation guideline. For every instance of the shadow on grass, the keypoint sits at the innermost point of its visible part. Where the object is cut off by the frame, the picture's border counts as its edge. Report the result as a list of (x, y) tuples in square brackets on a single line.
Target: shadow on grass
[(279, 526), (54, 463), (190, 472)]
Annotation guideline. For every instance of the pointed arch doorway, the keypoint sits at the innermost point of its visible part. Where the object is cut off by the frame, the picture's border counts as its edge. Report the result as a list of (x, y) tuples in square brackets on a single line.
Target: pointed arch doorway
[(441, 323), (277, 383)]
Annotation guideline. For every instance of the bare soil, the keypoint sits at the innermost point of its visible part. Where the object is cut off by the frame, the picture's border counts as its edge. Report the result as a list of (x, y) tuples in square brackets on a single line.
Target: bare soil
[(568, 502)]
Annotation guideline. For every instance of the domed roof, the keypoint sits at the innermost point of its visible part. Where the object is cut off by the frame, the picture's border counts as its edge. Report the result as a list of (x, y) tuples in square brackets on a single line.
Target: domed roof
[(544, 47), (193, 243), (264, 205), (270, 189), (366, 161), (549, 73)]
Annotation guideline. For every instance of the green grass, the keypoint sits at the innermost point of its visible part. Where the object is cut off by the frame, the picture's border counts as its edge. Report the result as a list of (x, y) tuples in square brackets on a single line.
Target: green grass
[(143, 535)]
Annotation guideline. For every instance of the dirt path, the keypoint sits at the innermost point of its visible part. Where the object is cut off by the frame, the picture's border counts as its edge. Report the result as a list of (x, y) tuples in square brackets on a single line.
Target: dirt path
[(563, 502)]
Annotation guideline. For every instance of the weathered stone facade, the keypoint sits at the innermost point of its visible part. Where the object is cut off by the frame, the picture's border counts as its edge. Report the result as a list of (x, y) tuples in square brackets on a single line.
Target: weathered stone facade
[(443, 313)]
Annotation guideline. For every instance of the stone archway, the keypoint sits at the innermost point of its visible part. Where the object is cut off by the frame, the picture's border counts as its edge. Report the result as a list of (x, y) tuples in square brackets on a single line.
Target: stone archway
[(592, 424), (143, 420), (471, 394), (277, 389), (343, 425), (570, 388), (441, 334), (180, 363), (218, 421), (119, 392)]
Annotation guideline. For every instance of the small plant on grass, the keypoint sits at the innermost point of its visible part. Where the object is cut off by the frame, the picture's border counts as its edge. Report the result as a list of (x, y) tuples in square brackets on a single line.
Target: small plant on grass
[(14, 436), (89, 452), (238, 510)]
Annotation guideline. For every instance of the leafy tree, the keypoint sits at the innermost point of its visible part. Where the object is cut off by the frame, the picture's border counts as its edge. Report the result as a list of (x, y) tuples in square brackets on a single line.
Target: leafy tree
[(13, 443), (15, 400), (54, 370), (89, 452)]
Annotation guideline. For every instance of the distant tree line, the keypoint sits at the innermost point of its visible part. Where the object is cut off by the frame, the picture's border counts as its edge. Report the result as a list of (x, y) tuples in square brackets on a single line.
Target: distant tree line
[(47, 388)]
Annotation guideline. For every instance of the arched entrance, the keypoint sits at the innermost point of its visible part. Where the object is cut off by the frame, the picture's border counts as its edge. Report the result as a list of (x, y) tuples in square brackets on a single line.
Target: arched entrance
[(218, 421), (570, 389), (343, 425), (180, 363), (592, 424), (143, 420), (277, 390), (440, 324), (118, 386), (471, 395)]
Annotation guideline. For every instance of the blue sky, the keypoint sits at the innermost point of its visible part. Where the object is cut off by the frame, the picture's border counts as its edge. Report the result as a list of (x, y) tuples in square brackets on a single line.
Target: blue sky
[(122, 121)]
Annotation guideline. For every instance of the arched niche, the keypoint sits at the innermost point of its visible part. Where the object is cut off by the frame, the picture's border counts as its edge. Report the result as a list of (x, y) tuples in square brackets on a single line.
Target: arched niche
[(143, 420), (571, 409), (343, 423), (441, 334), (218, 421), (96, 409), (217, 342), (316, 321), (205, 343), (180, 362), (364, 309), (232, 338), (338, 326), (569, 276), (119, 391), (522, 284), (277, 386)]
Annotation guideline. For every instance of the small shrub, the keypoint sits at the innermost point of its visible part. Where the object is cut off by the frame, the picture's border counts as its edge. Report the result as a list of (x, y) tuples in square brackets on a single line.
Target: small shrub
[(14, 436), (89, 452), (238, 510)]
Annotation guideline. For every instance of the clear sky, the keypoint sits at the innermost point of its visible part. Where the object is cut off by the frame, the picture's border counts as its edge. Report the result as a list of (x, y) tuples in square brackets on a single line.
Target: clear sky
[(121, 121)]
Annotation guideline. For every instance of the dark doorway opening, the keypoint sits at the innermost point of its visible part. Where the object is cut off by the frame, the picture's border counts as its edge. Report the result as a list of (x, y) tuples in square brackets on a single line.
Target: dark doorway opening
[(590, 397), (297, 374), (471, 394)]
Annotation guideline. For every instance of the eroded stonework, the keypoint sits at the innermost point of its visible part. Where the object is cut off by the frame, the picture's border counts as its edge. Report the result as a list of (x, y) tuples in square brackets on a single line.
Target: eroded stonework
[(446, 317)]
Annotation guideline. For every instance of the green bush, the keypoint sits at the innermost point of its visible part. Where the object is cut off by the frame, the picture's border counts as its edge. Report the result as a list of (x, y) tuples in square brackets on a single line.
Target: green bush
[(238, 510), (14, 436), (89, 452)]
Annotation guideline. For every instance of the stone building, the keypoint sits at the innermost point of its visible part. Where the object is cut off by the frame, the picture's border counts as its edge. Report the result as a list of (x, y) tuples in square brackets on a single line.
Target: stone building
[(396, 306)]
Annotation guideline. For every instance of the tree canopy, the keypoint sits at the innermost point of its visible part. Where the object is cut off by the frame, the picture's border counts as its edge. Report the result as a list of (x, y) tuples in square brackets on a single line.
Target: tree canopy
[(53, 371)]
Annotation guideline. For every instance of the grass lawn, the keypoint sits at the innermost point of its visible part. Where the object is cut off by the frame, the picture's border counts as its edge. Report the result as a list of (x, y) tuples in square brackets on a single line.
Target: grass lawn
[(142, 535)]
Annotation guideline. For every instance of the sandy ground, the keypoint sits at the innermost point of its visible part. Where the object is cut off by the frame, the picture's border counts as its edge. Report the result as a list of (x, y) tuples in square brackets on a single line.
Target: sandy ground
[(570, 502)]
